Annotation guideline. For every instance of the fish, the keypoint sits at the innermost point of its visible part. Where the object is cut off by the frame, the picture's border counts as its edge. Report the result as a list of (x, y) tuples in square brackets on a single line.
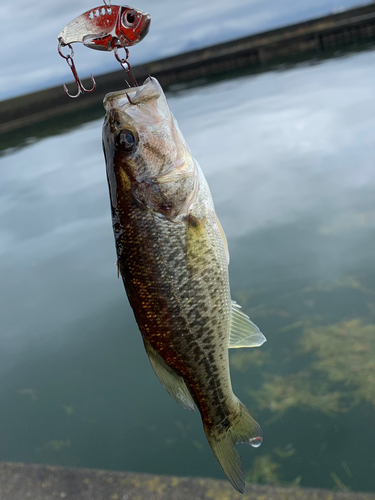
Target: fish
[(173, 257), (107, 27)]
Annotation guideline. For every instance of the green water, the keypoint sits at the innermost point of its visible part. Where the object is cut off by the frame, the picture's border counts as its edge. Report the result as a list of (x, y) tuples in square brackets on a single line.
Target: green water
[(289, 157)]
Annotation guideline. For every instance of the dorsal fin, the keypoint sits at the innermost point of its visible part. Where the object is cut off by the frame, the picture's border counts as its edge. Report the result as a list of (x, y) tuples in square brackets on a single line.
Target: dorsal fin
[(243, 332)]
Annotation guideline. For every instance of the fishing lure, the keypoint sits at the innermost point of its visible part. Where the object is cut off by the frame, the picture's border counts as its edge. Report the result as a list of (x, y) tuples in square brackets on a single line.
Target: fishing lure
[(108, 27)]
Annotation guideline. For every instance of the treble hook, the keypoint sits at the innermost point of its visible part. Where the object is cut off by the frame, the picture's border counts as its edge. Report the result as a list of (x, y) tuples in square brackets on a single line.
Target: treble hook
[(70, 62), (126, 65)]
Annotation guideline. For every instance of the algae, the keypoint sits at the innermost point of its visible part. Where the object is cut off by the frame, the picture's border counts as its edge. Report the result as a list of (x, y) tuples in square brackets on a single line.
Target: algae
[(321, 363), (340, 375), (265, 470)]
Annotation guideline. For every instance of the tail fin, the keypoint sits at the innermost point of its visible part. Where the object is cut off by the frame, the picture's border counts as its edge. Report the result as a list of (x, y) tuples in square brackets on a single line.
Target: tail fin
[(241, 428)]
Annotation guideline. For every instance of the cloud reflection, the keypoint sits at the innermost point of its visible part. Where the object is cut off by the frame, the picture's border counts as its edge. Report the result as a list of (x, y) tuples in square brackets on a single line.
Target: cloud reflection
[(279, 144), (278, 149)]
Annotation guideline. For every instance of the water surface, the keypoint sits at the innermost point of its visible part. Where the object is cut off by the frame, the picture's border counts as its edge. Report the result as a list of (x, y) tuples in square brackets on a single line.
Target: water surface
[(289, 157)]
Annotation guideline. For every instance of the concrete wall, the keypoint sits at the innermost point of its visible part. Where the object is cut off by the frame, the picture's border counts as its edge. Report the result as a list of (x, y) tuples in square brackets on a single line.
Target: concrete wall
[(39, 482)]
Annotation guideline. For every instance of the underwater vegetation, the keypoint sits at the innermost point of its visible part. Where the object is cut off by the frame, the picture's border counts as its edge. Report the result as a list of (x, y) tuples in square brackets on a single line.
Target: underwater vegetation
[(341, 373), (323, 371)]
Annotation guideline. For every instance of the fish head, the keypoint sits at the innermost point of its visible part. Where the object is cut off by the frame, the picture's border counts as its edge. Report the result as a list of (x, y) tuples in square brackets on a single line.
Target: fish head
[(143, 143)]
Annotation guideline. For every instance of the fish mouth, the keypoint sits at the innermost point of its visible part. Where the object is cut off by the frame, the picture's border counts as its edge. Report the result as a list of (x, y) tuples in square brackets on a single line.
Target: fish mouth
[(132, 96)]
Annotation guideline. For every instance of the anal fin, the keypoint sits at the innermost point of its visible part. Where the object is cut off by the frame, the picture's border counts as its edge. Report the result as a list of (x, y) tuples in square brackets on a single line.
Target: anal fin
[(243, 332), (173, 383)]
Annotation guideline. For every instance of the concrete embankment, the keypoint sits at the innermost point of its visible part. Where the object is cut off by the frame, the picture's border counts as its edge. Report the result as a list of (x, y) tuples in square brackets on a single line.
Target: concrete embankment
[(318, 38), (39, 482)]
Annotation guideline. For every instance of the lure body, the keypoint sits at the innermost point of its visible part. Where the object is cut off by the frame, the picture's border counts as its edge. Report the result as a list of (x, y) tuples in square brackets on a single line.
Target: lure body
[(107, 27)]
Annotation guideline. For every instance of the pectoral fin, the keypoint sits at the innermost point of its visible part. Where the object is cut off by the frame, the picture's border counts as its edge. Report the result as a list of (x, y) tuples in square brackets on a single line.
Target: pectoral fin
[(173, 383), (243, 332), (196, 239), (224, 238), (195, 235)]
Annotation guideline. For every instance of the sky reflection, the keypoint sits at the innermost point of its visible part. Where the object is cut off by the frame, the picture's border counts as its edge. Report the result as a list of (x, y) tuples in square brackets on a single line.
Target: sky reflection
[(289, 159), (277, 148)]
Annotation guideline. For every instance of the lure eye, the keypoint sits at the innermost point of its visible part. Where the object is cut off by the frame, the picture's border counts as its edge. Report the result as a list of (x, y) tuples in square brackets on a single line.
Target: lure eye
[(129, 18), (126, 140)]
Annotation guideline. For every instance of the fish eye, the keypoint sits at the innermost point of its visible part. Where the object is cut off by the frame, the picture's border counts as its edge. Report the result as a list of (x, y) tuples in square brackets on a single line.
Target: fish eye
[(129, 18), (126, 140)]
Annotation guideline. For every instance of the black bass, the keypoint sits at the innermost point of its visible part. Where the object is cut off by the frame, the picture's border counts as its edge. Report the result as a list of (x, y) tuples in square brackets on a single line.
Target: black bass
[(173, 258)]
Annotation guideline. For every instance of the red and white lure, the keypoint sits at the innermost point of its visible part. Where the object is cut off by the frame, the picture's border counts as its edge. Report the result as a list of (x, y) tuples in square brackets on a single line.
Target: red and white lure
[(108, 27)]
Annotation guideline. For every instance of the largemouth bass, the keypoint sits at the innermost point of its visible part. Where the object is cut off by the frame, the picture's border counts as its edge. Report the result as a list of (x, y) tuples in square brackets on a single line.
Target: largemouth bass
[(173, 258)]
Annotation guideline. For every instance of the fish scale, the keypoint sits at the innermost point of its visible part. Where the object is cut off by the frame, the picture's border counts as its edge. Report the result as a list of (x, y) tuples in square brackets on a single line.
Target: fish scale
[(184, 300)]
